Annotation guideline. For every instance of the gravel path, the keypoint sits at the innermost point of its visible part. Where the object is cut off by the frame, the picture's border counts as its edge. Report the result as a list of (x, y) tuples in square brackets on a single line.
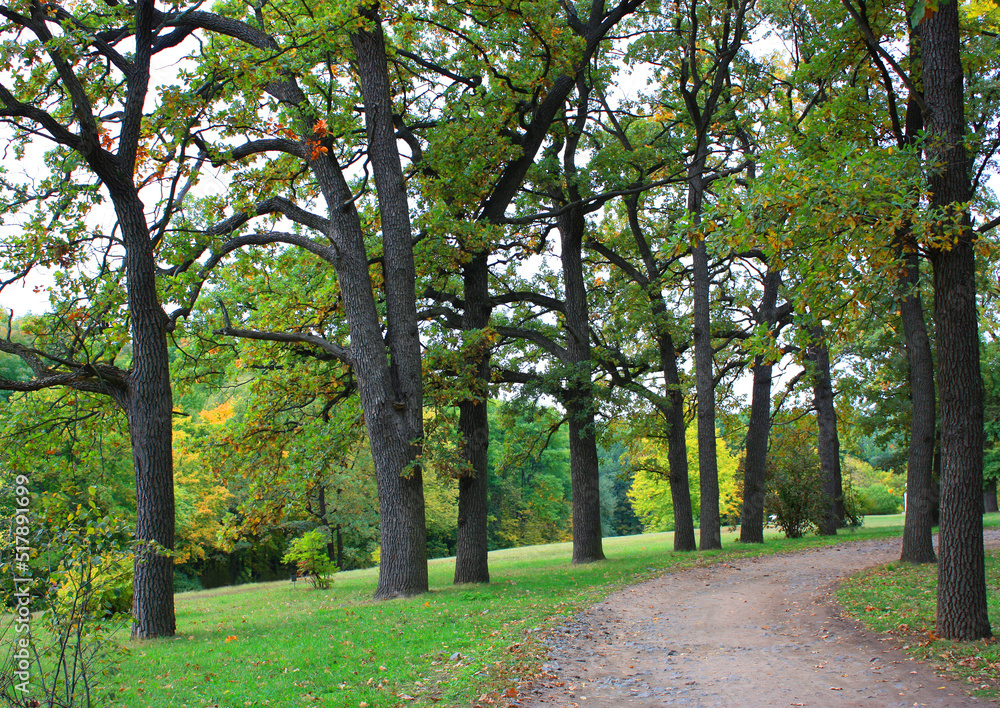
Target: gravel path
[(755, 632)]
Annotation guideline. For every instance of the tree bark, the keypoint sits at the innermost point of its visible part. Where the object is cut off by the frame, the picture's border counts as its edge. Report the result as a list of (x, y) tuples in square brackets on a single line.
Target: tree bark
[(149, 410), (759, 427), (990, 497), (708, 469), (579, 399), (828, 441), (961, 568), (680, 492), (673, 413), (392, 390), (918, 546), (472, 549)]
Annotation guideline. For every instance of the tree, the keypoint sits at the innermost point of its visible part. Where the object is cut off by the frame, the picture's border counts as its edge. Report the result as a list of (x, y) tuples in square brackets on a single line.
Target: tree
[(75, 87), (759, 423), (961, 610), (702, 81), (384, 350), (553, 50)]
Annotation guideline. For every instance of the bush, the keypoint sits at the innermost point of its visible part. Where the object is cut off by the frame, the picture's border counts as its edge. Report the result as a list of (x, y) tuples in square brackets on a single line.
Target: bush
[(794, 499), (106, 589), (879, 499), (80, 576), (309, 555)]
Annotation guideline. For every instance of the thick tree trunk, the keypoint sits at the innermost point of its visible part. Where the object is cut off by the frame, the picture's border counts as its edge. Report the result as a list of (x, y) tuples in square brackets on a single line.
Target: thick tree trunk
[(961, 568), (391, 392), (587, 541), (680, 492), (472, 550), (150, 410), (708, 468), (759, 427), (755, 460), (917, 544), (828, 442)]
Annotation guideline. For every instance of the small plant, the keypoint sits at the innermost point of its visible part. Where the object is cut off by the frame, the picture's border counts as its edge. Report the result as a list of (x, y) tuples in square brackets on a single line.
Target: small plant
[(309, 555), (61, 647)]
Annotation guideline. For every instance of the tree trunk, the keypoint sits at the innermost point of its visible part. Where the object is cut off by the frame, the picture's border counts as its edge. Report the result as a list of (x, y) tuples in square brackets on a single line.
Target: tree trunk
[(149, 415), (708, 468), (917, 544), (961, 568), (472, 549), (680, 492), (828, 442), (990, 497), (673, 413), (755, 460), (149, 410), (759, 427), (391, 392), (579, 401)]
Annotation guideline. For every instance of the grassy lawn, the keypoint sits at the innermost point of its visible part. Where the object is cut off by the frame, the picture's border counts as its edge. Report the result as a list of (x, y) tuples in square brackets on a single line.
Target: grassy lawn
[(900, 599), (281, 645), (278, 645)]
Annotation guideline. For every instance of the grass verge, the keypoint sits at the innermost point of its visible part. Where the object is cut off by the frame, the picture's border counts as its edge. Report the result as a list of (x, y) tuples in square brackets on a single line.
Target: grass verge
[(278, 645), (900, 599)]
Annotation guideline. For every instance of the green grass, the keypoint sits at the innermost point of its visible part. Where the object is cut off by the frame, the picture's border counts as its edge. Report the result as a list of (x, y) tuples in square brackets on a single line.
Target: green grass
[(278, 645), (901, 599)]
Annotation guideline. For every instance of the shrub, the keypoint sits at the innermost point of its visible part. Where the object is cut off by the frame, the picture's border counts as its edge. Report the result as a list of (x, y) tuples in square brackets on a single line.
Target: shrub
[(104, 590), (80, 576), (879, 499), (309, 555), (794, 499)]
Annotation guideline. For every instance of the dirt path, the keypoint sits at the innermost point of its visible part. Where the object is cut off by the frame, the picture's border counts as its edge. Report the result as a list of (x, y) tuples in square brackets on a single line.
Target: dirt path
[(757, 632)]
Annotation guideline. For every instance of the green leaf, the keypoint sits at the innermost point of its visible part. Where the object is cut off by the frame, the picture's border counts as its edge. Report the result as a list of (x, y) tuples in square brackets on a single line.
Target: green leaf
[(922, 10)]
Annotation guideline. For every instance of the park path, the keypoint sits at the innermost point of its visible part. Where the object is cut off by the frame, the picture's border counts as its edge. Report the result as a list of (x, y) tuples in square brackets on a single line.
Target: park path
[(755, 632)]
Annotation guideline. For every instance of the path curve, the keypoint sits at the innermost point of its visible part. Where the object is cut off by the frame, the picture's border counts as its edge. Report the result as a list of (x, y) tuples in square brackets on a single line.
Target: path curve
[(753, 632)]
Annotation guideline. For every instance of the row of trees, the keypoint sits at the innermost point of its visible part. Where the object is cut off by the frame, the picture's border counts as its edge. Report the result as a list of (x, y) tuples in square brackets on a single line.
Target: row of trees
[(424, 202)]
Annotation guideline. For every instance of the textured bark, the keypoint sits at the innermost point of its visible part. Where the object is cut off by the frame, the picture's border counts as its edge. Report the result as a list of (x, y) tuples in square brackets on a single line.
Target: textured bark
[(680, 492), (149, 411), (827, 441), (149, 401), (917, 544), (472, 549), (392, 390), (710, 534), (961, 568), (579, 398), (759, 427)]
